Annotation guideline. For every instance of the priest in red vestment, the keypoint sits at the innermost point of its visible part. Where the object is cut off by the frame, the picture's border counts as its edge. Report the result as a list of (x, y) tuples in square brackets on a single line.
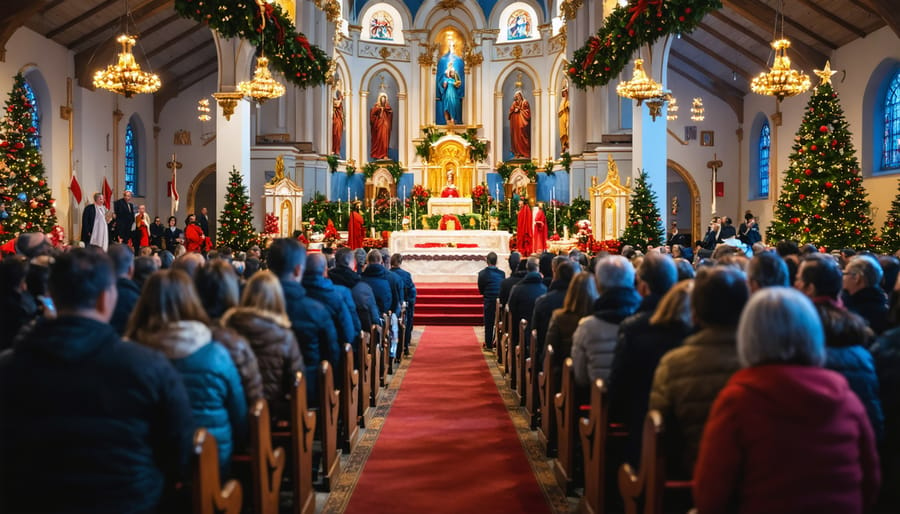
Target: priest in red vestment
[(194, 238), (355, 229), (523, 232), (539, 230)]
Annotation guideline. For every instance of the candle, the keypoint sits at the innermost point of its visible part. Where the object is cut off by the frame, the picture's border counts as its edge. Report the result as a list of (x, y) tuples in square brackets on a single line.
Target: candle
[(173, 157)]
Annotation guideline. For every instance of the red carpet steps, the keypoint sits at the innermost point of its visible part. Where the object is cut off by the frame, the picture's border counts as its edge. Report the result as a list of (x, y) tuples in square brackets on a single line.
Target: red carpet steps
[(448, 305)]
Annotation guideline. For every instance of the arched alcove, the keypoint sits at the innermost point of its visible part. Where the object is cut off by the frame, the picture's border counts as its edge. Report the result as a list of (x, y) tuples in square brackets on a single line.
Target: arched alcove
[(679, 175), (202, 193)]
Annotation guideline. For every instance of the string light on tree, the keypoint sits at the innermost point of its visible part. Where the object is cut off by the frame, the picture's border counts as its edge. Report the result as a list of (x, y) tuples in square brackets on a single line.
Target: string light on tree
[(644, 226)]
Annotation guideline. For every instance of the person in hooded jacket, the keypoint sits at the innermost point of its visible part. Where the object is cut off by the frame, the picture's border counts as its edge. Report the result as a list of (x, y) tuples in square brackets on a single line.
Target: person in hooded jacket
[(344, 274), (336, 299), (169, 318), (262, 319), (376, 276), (88, 422), (785, 434), (521, 301)]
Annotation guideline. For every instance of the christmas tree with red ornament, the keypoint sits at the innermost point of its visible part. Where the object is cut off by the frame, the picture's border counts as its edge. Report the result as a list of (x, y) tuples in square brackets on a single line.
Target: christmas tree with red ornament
[(236, 219), (823, 200), (890, 231), (644, 220), (24, 193)]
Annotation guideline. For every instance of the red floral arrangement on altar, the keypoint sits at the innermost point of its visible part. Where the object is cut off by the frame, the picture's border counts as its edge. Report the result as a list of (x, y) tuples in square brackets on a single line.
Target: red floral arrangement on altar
[(447, 219), (418, 197), (271, 224), (446, 245), (303, 240), (331, 233), (57, 236), (373, 243), (481, 197)]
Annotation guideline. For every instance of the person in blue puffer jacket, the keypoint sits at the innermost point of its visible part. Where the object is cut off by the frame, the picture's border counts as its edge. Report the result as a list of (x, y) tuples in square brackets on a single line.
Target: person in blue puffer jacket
[(170, 318)]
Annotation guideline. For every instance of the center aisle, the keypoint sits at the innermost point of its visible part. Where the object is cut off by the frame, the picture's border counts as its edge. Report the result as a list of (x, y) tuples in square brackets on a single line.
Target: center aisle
[(448, 444)]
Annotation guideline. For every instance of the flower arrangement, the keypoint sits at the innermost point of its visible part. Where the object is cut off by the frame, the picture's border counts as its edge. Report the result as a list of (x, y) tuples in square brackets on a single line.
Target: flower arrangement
[(418, 198), (271, 224), (481, 197), (373, 243)]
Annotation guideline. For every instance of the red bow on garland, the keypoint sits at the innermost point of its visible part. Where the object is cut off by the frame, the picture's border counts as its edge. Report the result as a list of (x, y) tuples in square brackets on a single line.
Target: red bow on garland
[(640, 7), (305, 44), (268, 12), (595, 47)]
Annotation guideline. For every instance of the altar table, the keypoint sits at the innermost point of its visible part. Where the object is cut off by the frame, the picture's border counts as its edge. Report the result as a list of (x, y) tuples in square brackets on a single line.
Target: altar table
[(449, 205), (437, 258)]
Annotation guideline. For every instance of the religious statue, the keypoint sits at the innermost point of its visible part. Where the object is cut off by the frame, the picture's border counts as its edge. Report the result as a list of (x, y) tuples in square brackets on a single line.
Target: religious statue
[(381, 119), (524, 228), (337, 120), (520, 127), (563, 113), (612, 169), (279, 169), (450, 190), (451, 86)]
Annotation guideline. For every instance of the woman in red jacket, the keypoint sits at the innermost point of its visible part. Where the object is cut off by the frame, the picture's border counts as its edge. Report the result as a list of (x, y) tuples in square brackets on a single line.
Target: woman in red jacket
[(785, 434)]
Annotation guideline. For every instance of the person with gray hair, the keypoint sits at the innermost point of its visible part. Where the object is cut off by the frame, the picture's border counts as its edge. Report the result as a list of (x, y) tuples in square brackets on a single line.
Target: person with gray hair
[(783, 407), (594, 341), (862, 291)]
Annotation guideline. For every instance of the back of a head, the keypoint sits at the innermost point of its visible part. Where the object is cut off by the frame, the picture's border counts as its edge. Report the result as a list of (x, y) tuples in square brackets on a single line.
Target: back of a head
[(658, 271), (868, 267), (166, 258), (373, 257), (396, 260), (565, 271), (546, 264), (251, 266), (581, 294), (218, 288), (33, 244), (360, 255), (685, 270), (491, 259), (514, 259), (780, 326), (285, 255), (343, 257), (785, 248), (263, 291), (316, 264), (143, 267), (823, 273), (675, 306), (385, 257), (13, 270), (122, 257), (720, 294), (533, 263), (168, 297), (189, 263), (78, 277), (614, 271), (890, 266), (767, 269)]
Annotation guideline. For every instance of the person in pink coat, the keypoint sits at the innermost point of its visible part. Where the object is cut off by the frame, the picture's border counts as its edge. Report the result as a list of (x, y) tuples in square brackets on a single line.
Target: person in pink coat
[(785, 434)]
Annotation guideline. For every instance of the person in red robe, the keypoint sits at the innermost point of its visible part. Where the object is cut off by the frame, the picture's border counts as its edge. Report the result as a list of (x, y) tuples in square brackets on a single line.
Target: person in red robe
[(140, 236), (523, 231), (355, 229), (450, 190), (381, 118), (539, 230), (520, 127), (194, 238)]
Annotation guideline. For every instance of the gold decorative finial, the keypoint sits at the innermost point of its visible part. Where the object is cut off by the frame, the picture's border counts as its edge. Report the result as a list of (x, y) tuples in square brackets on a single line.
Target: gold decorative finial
[(826, 73)]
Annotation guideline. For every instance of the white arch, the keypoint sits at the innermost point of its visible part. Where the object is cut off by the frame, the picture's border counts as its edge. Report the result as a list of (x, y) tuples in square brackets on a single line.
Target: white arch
[(401, 108), (500, 15), (398, 11), (430, 16)]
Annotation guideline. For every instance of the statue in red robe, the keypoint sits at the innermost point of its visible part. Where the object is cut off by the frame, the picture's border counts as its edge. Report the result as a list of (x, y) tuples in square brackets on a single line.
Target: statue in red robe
[(450, 190), (523, 231), (520, 127), (539, 231), (381, 118), (355, 229)]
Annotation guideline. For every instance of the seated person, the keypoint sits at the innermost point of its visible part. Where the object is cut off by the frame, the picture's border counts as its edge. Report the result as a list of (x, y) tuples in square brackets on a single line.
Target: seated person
[(450, 190)]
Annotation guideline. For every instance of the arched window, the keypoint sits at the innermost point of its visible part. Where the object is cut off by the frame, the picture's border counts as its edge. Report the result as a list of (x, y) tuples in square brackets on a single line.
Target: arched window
[(890, 150), (35, 115), (131, 158), (765, 144)]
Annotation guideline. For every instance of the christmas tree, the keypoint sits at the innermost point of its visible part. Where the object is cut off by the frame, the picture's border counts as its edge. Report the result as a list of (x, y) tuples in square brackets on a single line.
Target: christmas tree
[(644, 228), (890, 232), (236, 220), (823, 201), (23, 189)]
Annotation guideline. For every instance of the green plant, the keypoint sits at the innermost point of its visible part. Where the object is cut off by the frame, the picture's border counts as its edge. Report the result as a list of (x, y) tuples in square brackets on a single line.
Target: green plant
[(395, 170), (431, 135), (368, 169), (477, 148), (350, 170), (565, 160), (332, 162)]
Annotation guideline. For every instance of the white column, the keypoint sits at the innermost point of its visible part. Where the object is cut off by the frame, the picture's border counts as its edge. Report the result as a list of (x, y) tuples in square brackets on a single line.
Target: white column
[(537, 116), (362, 147), (403, 134)]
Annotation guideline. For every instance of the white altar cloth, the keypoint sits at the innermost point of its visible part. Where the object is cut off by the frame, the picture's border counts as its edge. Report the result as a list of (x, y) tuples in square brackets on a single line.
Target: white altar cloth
[(449, 205), (449, 264)]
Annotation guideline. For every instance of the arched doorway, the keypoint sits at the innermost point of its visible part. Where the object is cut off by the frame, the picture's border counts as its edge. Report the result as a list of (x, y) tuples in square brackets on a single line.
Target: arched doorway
[(202, 193), (681, 185)]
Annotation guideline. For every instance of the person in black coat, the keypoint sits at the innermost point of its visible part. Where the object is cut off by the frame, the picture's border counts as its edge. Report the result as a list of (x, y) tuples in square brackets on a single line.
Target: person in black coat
[(320, 288), (886, 352), (517, 273), (156, 232), (88, 422), (862, 291), (522, 298), (17, 305), (489, 280), (409, 293), (344, 274), (310, 320), (203, 221), (563, 271), (123, 265), (376, 276), (124, 211), (727, 231), (173, 235)]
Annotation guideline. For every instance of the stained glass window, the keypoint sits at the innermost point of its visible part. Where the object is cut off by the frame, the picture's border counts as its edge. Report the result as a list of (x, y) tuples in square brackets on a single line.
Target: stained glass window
[(35, 115), (891, 147), (765, 144), (131, 153), (518, 25), (381, 27)]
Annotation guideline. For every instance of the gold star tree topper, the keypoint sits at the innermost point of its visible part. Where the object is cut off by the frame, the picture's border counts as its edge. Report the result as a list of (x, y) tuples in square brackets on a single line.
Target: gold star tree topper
[(825, 74)]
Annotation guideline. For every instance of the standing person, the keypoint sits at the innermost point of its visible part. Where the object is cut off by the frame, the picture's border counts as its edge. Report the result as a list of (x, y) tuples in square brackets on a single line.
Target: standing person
[(409, 295), (539, 230), (140, 236), (381, 119), (194, 238), (65, 450), (748, 231), (203, 221), (172, 235), (524, 229), (356, 230), (94, 228), (489, 280), (520, 127), (156, 232), (124, 214), (785, 435), (521, 301), (127, 289)]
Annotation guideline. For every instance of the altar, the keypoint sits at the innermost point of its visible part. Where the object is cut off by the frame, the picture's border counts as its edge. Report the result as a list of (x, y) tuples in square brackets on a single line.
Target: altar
[(449, 205), (449, 255)]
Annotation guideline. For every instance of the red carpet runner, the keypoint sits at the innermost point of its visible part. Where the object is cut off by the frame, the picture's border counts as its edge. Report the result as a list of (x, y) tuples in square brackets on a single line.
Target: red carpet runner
[(448, 444), (448, 304)]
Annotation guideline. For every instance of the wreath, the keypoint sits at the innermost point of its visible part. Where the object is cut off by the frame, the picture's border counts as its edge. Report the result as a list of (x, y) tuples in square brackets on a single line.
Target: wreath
[(641, 22), (289, 51)]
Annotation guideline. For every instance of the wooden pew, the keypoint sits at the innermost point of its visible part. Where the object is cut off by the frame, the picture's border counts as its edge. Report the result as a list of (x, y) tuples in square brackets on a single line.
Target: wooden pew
[(501, 331), (365, 379), (509, 349), (649, 484), (566, 415), (349, 400), (387, 364), (593, 432), (401, 330), (375, 342), (521, 354), (512, 362), (329, 410), (532, 402), (303, 427), (267, 463), (209, 496), (546, 431), (497, 324)]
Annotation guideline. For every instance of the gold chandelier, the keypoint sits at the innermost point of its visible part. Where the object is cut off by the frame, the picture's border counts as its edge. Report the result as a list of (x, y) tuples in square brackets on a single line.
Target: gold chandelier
[(203, 109), (781, 80), (672, 110), (125, 77), (641, 87), (697, 110), (263, 87)]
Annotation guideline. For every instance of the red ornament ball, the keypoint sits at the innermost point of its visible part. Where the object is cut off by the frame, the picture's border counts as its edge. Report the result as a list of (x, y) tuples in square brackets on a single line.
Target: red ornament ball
[(808, 172), (829, 184), (802, 197), (796, 181), (813, 147), (806, 229), (823, 129), (572, 70), (834, 143)]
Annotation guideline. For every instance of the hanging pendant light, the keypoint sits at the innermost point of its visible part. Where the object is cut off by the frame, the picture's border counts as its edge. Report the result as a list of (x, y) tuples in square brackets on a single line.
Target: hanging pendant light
[(781, 80), (125, 76), (697, 110), (263, 87), (641, 87)]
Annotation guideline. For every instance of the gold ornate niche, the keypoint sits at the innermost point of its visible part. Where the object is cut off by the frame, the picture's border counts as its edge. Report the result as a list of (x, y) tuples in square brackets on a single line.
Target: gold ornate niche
[(284, 198), (609, 204), (450, 153)]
